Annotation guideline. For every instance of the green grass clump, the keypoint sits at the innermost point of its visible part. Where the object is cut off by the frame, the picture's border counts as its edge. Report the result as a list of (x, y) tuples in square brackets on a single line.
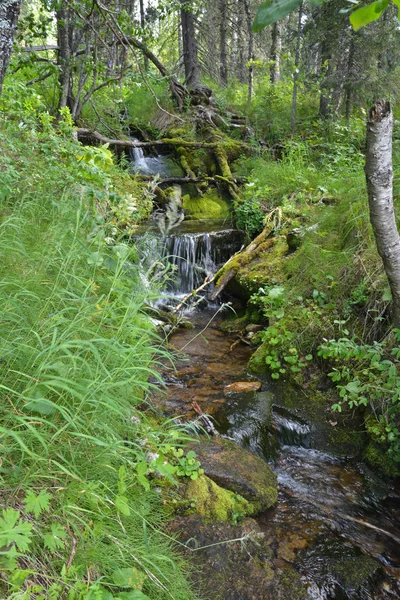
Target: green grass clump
[(79, 515)]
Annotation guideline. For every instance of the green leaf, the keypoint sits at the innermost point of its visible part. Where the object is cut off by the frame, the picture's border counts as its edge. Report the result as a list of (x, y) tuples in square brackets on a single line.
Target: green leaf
[(54, 539), (397, 3), (134, 595), (40, 405), (37, 504), (121, 502), (11, 533), (273, 10), (366, 14), (130, 577)]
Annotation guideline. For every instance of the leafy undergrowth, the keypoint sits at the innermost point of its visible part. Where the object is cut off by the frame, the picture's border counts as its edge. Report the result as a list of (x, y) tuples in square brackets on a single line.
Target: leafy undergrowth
[(79, 515), (325, 300)]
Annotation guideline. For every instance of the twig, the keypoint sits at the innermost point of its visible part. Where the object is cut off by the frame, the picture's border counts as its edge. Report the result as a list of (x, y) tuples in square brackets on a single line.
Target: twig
[(209, 279), (71, 556)]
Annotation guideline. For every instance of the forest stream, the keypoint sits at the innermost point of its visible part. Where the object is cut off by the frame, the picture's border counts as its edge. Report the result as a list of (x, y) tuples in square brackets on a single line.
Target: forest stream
[(336, 523)]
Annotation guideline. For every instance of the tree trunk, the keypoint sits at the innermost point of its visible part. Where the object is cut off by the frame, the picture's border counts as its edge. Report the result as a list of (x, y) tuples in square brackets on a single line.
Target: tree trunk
[(249, 20), (379, 175), (143, 25), (64, 54), (275, 54), (296, 71), (190, 57), (9, 12), (324, 99), (222, 33)]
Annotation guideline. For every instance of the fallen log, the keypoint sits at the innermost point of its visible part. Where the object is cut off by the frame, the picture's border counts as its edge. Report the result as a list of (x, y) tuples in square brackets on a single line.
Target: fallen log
[(231, 267), (93, 134)]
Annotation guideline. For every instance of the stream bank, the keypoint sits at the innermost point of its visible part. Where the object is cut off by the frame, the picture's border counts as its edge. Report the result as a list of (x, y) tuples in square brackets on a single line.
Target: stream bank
[(333, 532)]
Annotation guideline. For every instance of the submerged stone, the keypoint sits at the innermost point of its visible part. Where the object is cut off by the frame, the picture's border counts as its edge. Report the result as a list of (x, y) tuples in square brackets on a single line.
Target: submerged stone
[(236, 469), (235, 562), (240, 387)]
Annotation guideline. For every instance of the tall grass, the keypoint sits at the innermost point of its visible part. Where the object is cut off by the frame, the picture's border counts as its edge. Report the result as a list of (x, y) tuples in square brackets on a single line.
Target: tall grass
[(77, 351)]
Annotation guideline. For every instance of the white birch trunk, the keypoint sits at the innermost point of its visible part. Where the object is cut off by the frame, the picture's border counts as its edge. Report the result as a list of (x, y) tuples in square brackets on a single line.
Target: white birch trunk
[(379, 174), (9, 12)]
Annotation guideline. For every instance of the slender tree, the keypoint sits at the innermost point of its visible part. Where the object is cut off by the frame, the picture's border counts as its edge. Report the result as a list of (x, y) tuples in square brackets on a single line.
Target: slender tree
[(275, 54), (379, 175), (9, 12), (223, 5), (296, 70)]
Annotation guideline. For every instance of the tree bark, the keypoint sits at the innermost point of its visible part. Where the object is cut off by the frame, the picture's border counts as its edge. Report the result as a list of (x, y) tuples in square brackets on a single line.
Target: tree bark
[(379, 175), (9, 13), (275, 54), (249, 20), (296, 71), (222, 41), (63, 54), (190, 57)]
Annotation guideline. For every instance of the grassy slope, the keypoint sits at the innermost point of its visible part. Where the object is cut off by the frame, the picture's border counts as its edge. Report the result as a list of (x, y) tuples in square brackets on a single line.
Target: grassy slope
[(76, 352)]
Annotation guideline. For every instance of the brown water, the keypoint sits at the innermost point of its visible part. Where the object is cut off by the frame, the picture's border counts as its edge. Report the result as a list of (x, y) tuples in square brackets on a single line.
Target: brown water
[(335, 521)]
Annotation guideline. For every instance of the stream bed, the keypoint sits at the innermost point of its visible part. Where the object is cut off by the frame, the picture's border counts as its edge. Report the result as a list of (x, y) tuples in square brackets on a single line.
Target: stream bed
[(335, 522)]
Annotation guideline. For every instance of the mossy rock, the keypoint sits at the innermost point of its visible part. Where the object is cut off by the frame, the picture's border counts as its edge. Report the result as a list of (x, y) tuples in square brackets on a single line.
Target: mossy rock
[(209, 206), (239, 471), (236, 562), (212, 502)]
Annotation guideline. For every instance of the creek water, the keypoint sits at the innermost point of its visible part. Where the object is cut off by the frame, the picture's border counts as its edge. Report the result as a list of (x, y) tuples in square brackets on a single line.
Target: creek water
[(335, 521)]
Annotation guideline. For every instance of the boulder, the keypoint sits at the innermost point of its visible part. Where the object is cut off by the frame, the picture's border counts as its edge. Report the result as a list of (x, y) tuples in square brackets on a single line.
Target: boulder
[(239, 471)]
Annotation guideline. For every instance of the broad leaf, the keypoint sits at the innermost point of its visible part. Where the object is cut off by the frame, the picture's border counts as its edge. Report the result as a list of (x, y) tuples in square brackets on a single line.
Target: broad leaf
[(54, 539), (133, 595), (366, 14), (273, 10), (37, 504), (132, 578), (11, 533)]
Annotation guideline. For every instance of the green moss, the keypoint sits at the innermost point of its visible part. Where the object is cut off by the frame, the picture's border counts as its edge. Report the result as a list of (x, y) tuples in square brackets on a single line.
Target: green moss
[(380, 462), (209, 206), (213, 502)]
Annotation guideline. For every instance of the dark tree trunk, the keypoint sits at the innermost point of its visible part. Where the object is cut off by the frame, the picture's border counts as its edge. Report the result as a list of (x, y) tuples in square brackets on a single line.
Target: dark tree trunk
[(223, 33), (350, 77), (143, 24), (296, 71), (324, 100), (190, 57), (249, 20), (379, 174), (64, 54), (275, 54), (9, 13)]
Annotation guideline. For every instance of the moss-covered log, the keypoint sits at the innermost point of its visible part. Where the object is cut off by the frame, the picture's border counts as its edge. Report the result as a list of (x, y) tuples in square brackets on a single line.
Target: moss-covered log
[(230, 268)]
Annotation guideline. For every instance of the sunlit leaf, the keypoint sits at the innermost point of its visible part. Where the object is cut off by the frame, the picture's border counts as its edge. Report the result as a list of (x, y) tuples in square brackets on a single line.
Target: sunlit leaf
[(366, 14), (273, 10)]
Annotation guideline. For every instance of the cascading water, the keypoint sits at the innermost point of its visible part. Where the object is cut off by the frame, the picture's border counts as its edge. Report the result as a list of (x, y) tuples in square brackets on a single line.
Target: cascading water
[(194, 256), (161, 165)]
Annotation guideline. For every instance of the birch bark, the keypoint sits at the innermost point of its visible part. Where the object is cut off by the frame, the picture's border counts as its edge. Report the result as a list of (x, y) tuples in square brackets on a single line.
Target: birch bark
[(379, 175), (9, 12)]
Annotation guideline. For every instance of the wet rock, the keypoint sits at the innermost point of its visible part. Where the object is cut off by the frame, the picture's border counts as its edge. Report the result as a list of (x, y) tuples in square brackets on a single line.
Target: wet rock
[(241, 387), (242, 568), (236, 469), (340, 570), (253, 328)]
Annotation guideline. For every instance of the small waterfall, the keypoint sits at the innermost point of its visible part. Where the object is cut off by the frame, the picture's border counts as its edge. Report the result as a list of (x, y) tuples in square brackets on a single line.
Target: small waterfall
[(196, 255), (162, 165)]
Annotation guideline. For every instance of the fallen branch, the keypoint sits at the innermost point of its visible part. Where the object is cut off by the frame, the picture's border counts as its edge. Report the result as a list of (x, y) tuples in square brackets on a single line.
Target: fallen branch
[(228, 271), (209, 279)]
